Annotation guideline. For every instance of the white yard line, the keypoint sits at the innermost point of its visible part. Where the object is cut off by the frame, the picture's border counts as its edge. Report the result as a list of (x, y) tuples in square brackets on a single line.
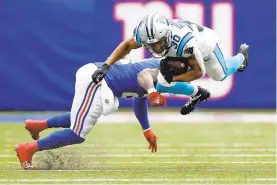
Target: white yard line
[(153, 170), (195, 117), (167, 162), (257, 145), (136, 180), (180, 150), (176, 117), (163, 155)]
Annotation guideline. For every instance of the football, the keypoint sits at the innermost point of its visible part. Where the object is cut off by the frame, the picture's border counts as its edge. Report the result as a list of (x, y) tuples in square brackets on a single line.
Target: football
[(177, 65)]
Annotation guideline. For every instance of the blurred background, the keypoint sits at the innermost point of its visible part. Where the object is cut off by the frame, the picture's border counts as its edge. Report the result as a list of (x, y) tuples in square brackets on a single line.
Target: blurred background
[(44, 42)]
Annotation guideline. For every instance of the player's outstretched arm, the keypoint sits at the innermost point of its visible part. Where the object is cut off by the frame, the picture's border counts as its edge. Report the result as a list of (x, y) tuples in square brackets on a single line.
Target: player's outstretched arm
[(141, 111), (122, 50), (146, 79)]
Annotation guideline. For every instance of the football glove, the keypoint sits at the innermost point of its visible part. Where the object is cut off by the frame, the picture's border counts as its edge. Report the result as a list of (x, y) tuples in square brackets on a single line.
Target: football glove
[(152, 140), (157, 100), (100, 73)]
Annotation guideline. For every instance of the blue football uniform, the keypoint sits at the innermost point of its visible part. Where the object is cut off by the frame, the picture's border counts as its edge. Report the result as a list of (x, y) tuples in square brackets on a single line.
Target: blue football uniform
[(122, 76)]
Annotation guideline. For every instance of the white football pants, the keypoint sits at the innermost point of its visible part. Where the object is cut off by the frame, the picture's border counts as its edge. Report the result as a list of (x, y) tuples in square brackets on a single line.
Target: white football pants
[(87, 103), (215, 64)]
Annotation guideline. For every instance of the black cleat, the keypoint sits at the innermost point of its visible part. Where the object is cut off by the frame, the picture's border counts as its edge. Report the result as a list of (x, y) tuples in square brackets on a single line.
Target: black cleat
[(243, 49), (201, 95)]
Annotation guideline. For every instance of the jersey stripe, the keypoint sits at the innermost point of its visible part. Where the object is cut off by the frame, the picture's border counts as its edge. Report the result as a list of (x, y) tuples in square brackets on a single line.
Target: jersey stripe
[(84, 107), (77, 115), (83, 121), (183, 42), (220, 58)]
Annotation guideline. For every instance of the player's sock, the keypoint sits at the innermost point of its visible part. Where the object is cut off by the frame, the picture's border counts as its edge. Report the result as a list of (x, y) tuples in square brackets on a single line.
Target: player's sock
[(58, 139), (233, 64), (59, 121), (179, 88), (33, 147)]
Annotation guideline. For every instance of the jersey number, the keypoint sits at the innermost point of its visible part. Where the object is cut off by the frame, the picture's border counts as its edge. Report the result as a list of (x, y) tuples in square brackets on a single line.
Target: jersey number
[(175, 41)]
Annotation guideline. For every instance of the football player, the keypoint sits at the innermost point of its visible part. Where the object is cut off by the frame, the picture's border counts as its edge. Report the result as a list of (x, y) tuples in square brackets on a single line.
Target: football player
[(90, 102), (164, 37)]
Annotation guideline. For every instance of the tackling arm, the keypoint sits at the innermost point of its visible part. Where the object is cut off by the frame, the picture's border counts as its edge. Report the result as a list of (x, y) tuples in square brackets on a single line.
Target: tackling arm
[(140, 107), (141, 111), (122, 50), (146, 79)]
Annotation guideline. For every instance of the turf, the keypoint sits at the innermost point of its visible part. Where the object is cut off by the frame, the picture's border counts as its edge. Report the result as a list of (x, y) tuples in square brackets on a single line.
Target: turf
[(117, 154)]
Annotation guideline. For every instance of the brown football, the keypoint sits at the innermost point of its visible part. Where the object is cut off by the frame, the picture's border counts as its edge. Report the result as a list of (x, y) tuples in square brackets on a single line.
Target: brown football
[(178, 66)]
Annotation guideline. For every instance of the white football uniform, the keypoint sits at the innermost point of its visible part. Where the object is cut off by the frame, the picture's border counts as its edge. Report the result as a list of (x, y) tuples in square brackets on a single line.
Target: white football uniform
[(187, 35)]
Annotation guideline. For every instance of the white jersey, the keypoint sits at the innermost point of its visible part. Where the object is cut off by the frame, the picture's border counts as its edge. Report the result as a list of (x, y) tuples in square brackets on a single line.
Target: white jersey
[(185, 36)]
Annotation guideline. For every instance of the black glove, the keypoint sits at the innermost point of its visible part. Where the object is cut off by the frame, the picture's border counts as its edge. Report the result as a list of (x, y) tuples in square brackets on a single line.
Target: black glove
[(168, 76), (100, 73)]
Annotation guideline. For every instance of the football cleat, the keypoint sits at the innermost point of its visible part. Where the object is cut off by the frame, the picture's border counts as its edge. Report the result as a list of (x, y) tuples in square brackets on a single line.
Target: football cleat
[(243, 49), (24, 155), (201, 95), (35, 127)]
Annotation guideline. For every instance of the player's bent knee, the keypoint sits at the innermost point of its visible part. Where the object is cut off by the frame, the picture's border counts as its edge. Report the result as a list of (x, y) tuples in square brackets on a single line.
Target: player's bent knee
[(79, 139), (76, 138), (217, 75)]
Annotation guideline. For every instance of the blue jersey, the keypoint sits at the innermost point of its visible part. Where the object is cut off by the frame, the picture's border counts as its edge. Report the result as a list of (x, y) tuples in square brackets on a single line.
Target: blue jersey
[(122, 76)]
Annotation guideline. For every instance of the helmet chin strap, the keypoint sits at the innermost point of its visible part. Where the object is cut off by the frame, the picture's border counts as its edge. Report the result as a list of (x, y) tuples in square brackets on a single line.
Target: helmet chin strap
[(161, 54)]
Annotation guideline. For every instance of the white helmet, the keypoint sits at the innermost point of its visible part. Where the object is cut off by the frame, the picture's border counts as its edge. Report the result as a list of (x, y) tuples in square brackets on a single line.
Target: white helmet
[(155, 30)]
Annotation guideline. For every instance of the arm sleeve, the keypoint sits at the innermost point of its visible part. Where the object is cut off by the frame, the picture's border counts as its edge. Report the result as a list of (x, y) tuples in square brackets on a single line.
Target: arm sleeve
[(141, 111), (136, 35)]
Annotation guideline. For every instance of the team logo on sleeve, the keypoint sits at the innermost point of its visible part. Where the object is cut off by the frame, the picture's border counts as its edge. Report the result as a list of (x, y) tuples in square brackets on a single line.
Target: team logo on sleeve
[(188, 51)]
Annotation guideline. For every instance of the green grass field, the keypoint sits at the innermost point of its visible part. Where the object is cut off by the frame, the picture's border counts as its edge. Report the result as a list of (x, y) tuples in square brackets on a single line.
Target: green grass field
[(118, 154)]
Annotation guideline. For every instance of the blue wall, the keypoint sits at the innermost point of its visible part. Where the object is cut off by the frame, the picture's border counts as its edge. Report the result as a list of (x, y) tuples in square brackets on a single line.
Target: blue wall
[(44, 42)]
